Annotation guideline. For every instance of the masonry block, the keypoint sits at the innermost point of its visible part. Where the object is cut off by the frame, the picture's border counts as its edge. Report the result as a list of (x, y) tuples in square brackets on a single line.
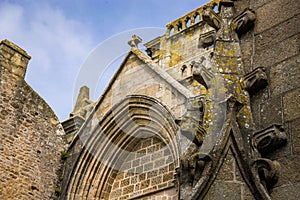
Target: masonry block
[(30, 133), (285, 76), (289, 191), (254, 4), (291, 103), (276, 53), (275, 12), (271, 112), (224, 190), (277, 33), (295, 137), (290, 171)]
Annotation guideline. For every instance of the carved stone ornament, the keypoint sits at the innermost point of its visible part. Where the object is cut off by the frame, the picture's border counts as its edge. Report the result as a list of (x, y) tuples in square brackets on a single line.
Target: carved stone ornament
[(227, 127), (269, 139), (201, 74), (135, 41), (206, 39), (255, 80), (191, 123)]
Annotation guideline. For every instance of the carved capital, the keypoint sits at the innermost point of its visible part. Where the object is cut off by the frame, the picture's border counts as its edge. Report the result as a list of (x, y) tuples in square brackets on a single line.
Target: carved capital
[(269, 139)]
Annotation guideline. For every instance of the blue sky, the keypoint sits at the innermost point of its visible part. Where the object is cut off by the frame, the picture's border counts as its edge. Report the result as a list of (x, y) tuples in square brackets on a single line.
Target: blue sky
[(61, 35)]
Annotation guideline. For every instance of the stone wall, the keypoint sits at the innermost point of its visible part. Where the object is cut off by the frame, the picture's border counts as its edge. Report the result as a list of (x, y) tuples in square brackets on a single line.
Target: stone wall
[(130, 154), (30, 133), (274, 44), (146, 174)]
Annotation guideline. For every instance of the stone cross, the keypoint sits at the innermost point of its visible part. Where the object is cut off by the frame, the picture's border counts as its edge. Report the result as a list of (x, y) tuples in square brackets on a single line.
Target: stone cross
[(134, 41)]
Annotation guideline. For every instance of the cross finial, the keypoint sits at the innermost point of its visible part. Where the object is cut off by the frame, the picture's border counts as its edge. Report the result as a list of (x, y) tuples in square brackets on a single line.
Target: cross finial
[(134, 41)]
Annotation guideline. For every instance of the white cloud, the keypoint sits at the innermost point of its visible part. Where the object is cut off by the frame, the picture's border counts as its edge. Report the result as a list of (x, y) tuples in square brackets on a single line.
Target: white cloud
[(58, 47)]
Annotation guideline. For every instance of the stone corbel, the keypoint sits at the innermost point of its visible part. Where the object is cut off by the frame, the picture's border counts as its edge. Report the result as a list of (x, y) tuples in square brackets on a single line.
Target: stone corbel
[(211, 18), (255, 80), (269, 139), (244, 21), (206, 39)]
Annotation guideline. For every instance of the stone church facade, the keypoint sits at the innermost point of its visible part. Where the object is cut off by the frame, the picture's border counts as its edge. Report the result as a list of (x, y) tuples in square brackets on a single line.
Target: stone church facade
[(211, 110)]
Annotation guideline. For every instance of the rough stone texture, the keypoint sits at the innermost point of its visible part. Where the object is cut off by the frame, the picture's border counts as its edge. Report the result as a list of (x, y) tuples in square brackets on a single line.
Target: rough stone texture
[(271, 112), (229, 183), (142, 175), (295, 129), (291, 105), (138, 111), (282, 74), (274, 12), (276, 46), (280, 32), (124, 158), (272, 43), (30, 133), (277, 53), (137, 78), (288, 191)]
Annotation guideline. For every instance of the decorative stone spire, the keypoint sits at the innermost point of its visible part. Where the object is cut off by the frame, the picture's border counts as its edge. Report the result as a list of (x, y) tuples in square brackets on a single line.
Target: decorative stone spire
[(134, 41), (83, 99)]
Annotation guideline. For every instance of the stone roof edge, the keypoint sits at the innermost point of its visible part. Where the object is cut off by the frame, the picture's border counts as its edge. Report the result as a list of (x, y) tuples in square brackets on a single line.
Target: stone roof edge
[(163, 74), (153, 66), (15, 48)]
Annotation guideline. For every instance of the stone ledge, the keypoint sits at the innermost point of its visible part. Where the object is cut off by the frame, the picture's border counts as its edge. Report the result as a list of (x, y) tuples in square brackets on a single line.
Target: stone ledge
[(15, 48)]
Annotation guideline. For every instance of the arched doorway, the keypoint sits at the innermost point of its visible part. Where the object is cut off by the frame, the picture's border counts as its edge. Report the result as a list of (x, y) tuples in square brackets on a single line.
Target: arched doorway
[(132, 153)]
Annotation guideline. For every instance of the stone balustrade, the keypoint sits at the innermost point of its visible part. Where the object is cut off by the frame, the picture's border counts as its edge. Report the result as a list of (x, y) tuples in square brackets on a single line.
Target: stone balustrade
[(189, 19)]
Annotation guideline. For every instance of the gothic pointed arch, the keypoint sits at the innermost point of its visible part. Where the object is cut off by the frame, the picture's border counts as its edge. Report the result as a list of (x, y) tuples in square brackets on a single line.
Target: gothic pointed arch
[(117, 146), (231, 148)]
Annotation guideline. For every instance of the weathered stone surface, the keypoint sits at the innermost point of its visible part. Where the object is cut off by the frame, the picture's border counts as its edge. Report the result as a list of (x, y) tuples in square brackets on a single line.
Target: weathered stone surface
[(285, 76), (224, 190), (295, 137), (278, 33), (277, 53), (139, 183), (30, 133), (290, 170), (254, 4), (289, 191), (258, 99), (291, 104), (271, 112), (274, 12), (247, 49), (138, 111)]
